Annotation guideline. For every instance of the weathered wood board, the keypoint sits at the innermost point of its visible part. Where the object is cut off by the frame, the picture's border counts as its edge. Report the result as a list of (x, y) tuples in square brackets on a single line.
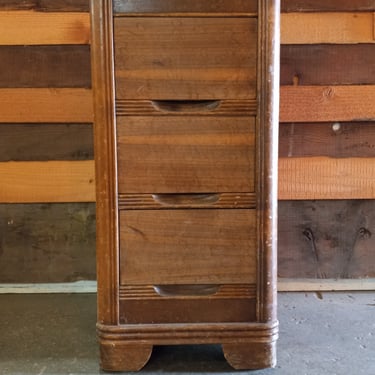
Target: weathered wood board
[(45, 66), (327, 239), (327, 5), (42, 243)]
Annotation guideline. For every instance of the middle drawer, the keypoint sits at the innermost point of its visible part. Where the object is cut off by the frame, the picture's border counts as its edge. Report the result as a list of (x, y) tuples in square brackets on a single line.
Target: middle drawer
[(177, 154)]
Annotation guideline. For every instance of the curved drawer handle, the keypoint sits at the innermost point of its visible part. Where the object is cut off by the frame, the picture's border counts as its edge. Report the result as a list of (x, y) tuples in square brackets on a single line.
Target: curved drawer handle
[(185, 199), (191, 290), (186, 105)]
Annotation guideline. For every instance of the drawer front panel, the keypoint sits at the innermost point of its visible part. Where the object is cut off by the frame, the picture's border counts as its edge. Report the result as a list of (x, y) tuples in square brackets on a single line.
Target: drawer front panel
[(185, 58), (175, 154), (200, 246)]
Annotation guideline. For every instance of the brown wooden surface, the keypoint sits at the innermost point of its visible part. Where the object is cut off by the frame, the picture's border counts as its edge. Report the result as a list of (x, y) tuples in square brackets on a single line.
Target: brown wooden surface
[(331, 27), (337, 140), (322, 64), (40, 142), (46, 105), (45, 66), (327, 103), (47, 181), (35, 28), (46, 5), (326, 178), (176, 155), (327, 5), (185, 58), (183, 7), (327, 239), (187, 247), (47, 243)]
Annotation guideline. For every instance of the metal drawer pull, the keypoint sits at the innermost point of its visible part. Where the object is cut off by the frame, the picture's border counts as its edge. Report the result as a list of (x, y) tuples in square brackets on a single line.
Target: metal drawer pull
[(185, 199), (186, 290), (186, 105)]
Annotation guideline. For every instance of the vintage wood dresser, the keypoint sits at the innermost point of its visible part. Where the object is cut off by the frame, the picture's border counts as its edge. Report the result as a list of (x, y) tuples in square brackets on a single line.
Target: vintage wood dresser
[(186, 119)]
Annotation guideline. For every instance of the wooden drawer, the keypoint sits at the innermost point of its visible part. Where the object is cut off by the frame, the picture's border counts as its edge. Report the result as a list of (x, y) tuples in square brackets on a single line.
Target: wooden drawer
[(185, 58), (176, 154), (215, 304), (200, 246)]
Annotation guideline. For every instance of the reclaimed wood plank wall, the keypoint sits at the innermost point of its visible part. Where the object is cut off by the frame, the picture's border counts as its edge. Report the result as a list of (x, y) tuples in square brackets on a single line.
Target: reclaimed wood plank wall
[(327, 141)]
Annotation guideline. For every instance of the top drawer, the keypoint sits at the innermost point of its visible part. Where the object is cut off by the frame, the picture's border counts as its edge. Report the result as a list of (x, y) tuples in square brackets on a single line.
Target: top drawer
[(185, 58)]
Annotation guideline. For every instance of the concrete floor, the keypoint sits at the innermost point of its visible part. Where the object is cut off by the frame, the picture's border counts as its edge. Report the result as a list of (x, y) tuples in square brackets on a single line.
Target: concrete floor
[(320, 334)]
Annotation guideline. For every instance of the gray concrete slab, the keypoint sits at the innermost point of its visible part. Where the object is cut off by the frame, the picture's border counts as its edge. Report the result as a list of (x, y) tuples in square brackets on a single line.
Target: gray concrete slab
[(320, 334)]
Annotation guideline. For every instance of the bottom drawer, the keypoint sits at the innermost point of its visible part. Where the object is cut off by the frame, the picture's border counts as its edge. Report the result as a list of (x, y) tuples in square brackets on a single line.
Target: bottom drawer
[(224, 304), (196, 246)]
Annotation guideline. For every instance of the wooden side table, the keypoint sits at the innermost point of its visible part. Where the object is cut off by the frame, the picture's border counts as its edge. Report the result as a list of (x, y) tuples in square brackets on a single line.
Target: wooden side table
[(186, 119)]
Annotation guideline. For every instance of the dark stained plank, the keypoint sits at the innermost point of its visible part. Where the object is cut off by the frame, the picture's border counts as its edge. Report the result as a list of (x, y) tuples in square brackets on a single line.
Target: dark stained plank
[(46, 5), (324, 64), (341, 140), (45, 66), (327, 5), (39, 142), (182, 6), (327, 239), (45, 243)]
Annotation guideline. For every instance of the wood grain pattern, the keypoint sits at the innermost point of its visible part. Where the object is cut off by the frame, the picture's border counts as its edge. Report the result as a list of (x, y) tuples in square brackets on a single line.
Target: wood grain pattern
[(211, 108), (45, 66), (326, 178), (52, 181), (322, 64), (327, 103), (327, 239), (337, 140), (47, 243), (168, 201), (327, 5), (185, 58), (179, 311), (41, 142), (317, 28), (187, 247), (36, 28), (177, 155), (46, 5), (46, 105), (209, 8)]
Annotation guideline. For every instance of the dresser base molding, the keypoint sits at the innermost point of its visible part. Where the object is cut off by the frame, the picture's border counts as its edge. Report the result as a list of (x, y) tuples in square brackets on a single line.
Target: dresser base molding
[(245, 345)]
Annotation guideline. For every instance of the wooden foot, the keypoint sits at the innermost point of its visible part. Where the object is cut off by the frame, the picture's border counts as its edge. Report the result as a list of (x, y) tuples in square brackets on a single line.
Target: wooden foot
[(250, 356), (119, 356)]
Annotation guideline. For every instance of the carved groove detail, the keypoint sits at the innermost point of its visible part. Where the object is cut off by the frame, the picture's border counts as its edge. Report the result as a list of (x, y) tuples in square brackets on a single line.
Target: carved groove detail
[(131, 292), (147, 202), (146, 108)]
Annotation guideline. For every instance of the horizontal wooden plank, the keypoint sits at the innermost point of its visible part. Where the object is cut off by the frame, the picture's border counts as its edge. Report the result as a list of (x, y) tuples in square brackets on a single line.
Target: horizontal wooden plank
[(41, 142), (45, 66), (327, 64), (47, 243), (326, 239), (46, 105), (35, 28), (327, 103), (341, 140), (51, 181), (326, 285), (326, 178), (46, 5), (228, 7), (327, 5), (317, 28)]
